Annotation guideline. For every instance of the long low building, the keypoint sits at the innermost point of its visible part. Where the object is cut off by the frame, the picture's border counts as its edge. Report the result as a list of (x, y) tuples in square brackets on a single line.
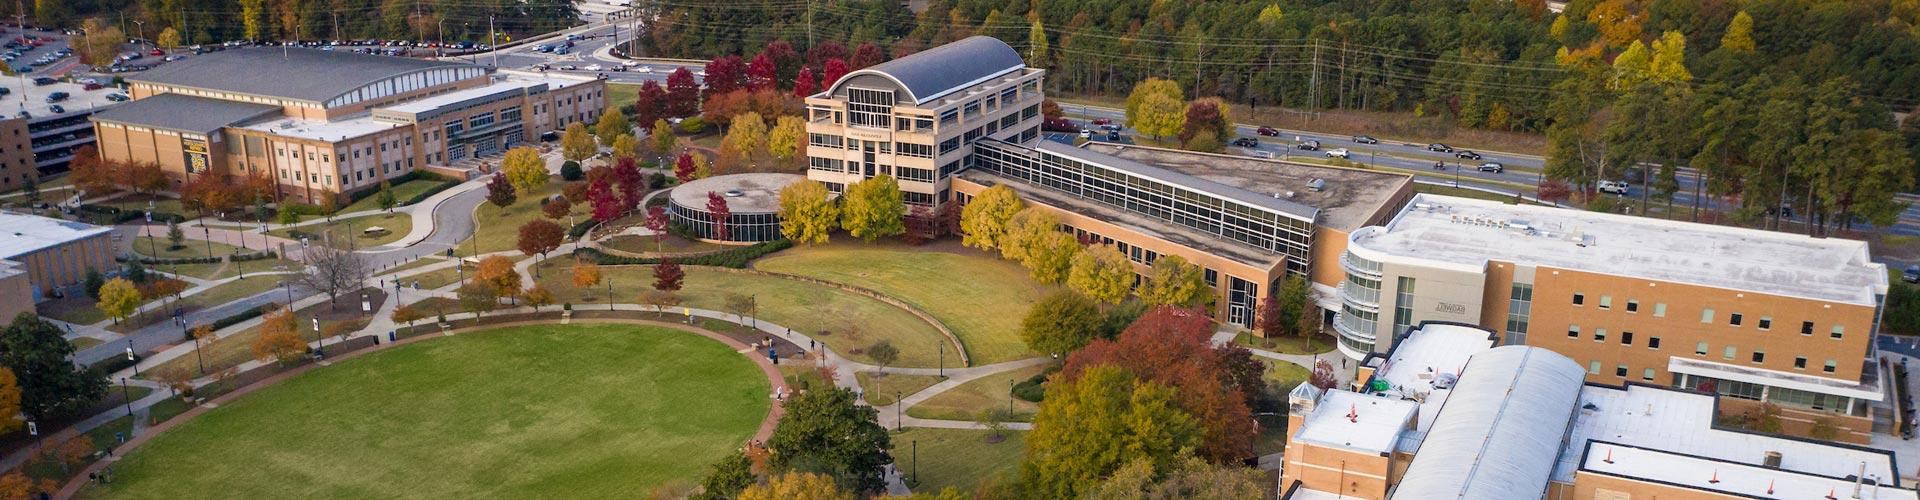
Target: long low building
[(323, 123), (52, 254), (1446, 414)]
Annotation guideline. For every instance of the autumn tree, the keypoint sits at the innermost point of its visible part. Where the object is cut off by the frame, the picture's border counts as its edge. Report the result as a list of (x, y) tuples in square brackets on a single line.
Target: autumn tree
[(650, 103), (625, 146), (1294, 300), (611, 126), (683, 168), (828, 429), (1186, 477), (1206, 115), (144, 177), (101, 42), (9, 402), (658, 224), (667, 275), (119, 299), (606, 205), (807, 212), (1175, 283), (334, 270), (721, 216), (760, 73), (661, 140), (867, 54), (983, 222), (872, 209), (539, 236), (525, 169), (279, 338), (576, 144), (832, 71), (500, 191), (796, 486), (586, 274), (1739, 34), (725, 74), (537, 296), (632, 183), (407, 313), (1217, 384), (477, 298), (496, 272), (557, 209), (683, 94), (1101, 273), (747, 136), (1060, 323), (1098, 421), (803, 84), (385, 197), (92, 173), (659, 299), (1155, 107), (787, 142)]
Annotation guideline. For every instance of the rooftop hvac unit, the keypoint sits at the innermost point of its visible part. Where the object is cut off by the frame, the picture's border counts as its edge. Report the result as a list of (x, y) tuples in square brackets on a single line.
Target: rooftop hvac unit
[(1317, 185)]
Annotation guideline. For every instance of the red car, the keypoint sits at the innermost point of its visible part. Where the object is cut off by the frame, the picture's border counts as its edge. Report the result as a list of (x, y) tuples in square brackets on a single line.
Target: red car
[(1268, 131), (156, 52), (93, 86), (1102, 121)]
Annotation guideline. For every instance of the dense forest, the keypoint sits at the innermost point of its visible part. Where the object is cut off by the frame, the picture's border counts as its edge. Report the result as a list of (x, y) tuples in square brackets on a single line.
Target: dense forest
[(208, 21), (1773, 102)]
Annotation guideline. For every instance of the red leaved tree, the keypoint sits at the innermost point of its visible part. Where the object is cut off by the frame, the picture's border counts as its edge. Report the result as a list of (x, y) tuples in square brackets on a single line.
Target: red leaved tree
[(867, 54), (786, 61), (717, 207), (632, 182), (556, 209), (826, 50), (657, 222), (760, 72), (724, 75), (539, 236), (834, 69), (683, 168), (667, 276), (1555, 191), (606, 205), (649, 104), (500, 191), (1173, 346), (803, 84), (683, 94)]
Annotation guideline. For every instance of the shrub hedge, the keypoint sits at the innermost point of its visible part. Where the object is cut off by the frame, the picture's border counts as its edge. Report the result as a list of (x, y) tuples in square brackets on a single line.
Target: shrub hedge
[(736, 258)]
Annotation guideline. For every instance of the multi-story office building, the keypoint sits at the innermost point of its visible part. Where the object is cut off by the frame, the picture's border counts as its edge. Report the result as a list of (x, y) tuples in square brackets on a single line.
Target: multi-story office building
[(916, 118), (957, 119), (38, 133), (1446, 414), (1754, 316), (321, 123)]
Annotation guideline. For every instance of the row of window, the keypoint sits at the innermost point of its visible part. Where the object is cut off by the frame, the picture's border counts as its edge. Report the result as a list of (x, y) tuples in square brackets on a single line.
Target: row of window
[(1727, 353), (1707, 315)]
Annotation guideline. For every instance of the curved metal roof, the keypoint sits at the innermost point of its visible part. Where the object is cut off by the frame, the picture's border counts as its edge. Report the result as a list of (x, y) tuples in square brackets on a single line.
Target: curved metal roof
[(934, 72), (293, 73), (1500, 430)]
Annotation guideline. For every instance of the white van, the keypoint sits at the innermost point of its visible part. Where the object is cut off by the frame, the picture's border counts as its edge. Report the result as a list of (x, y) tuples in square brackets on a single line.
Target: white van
[(1613, 187)]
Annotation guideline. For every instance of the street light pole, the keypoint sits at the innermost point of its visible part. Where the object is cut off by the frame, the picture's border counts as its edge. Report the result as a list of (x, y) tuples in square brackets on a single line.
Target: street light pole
[(126, 394), (897, 403), (207, 232)]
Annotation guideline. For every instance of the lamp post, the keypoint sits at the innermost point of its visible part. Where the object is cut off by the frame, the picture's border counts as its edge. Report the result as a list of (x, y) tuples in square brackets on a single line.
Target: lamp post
[(322, 347), (942, 346), (897, 403), (753, 308), (609, 293), (130, 357), (196, 351), (126, 394), (207, 233)]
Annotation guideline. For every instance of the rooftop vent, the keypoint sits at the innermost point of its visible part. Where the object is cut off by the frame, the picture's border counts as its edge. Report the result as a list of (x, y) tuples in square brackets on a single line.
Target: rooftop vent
[(734, 193), (1317, 185), (1771, 460)]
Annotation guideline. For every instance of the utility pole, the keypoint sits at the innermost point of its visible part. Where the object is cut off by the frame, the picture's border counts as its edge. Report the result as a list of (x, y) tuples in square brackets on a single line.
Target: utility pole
[(1313, 85), (493, 41)]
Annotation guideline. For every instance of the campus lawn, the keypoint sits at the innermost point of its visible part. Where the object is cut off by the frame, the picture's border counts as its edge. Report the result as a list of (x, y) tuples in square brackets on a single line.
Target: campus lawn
[(223, 270), (232, 350), (190, 248), (992, 391), (138, 202), (401, 193), (621, 95), (853, 323), (219, 294), (981, 297), (1312, 344), (76, 308), (82, 343), (404, 268), (1280, 377), (396, 224), (668, 244), (957, 458), (433, 280), (499, 228), (595, 411), (880, 388)]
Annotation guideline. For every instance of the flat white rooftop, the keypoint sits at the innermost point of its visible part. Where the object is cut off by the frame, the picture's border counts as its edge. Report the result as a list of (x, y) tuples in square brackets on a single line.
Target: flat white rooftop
[(1748, 480), (1356, 421), (331, 131), (1466, 233), (1678, 425), (1422, 360), (22, 234)]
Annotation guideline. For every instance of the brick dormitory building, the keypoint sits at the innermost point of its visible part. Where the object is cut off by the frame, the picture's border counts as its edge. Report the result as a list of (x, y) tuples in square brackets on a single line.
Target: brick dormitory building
[(322, 123), (1752, 316)]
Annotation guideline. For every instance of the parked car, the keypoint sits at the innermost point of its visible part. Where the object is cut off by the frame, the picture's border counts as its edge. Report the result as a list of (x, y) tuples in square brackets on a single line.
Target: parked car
[(1467, 154), (1340, 153), (56, 109), (569, 67), (1246, 142), (1440, 148), (156, 52), (57, 97), (92, 86), (1613, 187), (1101, 121), (1365, 139), (117, 97), (5, 91), (44, 81), (1310, 145), (1494, 167), (543, 48), (1267, 131), (595, 67), (1911, 275)]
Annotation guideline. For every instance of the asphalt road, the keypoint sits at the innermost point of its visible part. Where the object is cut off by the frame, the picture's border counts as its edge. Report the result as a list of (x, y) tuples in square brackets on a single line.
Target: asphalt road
[(452, 223), (166, 333)]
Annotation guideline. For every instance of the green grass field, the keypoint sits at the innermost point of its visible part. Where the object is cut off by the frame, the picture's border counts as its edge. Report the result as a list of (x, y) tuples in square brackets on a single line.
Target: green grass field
[(855, 322), (981, 297), (222, 270), (992, 391), (401, 192), (397, 226), (237, 348), (881, 388), (957, 458), (220, 294), (592, 411), (499, 228)]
